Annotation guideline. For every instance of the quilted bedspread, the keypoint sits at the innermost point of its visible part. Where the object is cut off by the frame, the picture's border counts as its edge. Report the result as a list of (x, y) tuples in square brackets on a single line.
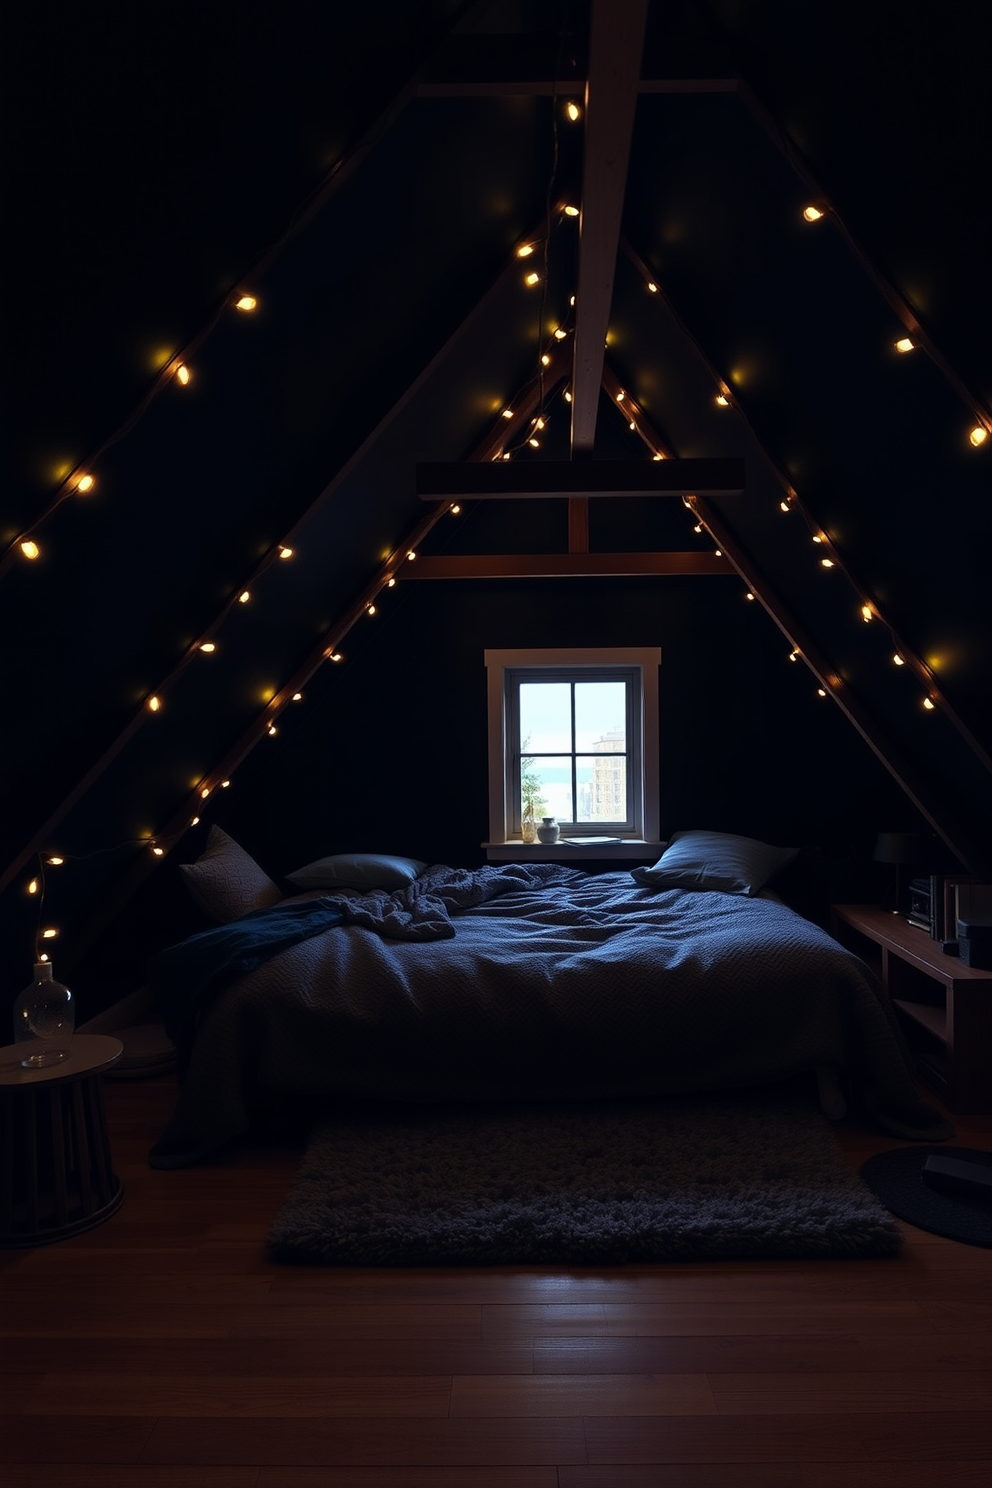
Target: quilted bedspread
[(560, 986)]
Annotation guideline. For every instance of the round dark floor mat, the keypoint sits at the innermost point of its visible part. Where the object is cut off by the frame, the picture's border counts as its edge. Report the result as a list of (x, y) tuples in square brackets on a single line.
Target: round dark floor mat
[(896, 1178)]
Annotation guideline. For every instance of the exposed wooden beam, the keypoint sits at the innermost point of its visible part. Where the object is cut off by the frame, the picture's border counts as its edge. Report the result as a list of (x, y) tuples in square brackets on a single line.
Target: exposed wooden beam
[(615, 49), (956, 836), (562, 565), (526, 479)]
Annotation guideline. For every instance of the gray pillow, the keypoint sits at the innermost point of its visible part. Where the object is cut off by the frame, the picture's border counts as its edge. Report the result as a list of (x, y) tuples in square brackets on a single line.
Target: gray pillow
[(715, 860), (357, 871), (226, 882)]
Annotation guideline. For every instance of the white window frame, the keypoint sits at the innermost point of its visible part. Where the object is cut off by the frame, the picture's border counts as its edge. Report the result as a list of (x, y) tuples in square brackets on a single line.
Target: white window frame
[(646, 660)]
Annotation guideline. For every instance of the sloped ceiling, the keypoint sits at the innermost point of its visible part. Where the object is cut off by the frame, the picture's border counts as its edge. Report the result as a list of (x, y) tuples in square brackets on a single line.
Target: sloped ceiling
[(368, 175)]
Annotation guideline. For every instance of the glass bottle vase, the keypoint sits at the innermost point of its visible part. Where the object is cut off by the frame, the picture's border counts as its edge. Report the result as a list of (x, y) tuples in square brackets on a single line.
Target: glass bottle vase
[(44, 1020)]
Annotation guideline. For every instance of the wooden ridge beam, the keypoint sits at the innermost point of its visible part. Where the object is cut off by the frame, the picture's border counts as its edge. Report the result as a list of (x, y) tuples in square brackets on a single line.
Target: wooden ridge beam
[(615, 48)]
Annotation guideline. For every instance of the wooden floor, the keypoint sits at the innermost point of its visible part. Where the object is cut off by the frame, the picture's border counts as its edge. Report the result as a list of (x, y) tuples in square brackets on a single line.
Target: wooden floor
[(163, 1349)]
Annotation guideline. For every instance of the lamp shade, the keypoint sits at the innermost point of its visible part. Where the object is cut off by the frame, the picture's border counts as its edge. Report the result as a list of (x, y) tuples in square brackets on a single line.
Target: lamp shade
[(898, 847)]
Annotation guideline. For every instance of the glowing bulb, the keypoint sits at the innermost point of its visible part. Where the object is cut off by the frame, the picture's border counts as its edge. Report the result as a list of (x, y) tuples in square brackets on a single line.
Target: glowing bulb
[(246, 302), (899, 660), (572, 110), (194, 821), (905, 344), (749, 595), (154, 704), (722, 401), (929, 704), (784, 506), (820, 692), (567, 395), (182, 374), (812, 214), (978, 435), (371, 609), (652, 287), (85, 483), (55, 862), (225, 784), (454, 510), (632, 425), (539, 423), (717, 553), (507, 412), (525, 250), (297, 697), (867, 613), (285, 552), (659, 455), (204, 792), (272, 730), (506, 455), (817, 538), (410, 556), (159, 852), (560, 334), (826, 563), (334, 656), (698, 527), (244, 597), (533, 278), (30, 549), (49, 934), (793, 655), (208, 646), (571, 211), (545, 360), (535, 443), (621, 395), (33, 886), (391, 583)]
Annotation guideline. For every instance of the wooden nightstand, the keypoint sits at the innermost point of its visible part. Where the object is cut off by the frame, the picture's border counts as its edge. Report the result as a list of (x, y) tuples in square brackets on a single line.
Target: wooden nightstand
[(945, 1007), (56, 1175)]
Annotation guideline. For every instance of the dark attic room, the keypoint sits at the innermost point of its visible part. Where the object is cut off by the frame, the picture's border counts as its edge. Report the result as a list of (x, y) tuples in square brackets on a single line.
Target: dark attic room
[(497, 872)]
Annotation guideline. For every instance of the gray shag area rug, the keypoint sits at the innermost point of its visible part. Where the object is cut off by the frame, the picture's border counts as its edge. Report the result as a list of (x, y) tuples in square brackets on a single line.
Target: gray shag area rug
[(615, 1183)]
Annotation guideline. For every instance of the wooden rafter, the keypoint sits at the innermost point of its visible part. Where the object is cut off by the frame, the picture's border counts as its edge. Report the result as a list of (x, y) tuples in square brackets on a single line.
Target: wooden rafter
[(615, 49)]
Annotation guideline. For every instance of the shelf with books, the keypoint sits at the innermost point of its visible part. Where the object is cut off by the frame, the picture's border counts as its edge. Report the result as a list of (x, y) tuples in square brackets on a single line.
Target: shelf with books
[(945, 1007)]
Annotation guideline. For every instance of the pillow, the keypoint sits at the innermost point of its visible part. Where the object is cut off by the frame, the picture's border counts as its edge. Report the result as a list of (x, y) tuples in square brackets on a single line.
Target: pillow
[(357, 871), (226, 882), (715, 860)]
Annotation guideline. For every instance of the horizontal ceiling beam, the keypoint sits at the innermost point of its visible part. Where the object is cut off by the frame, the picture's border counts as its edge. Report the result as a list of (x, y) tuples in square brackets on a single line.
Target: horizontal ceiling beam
[(512, 65), (505, 480), (562, 565)]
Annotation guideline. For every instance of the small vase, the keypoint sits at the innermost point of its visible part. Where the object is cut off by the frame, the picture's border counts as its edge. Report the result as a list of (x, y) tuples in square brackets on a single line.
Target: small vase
[(44, 1020), (528, 830), (548, 830)]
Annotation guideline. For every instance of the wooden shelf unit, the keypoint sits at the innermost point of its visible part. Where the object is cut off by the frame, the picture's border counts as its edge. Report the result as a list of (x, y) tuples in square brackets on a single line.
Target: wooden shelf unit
[(945, 1006)]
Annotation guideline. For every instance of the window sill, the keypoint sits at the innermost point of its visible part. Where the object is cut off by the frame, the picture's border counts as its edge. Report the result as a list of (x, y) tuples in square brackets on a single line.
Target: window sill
[(566, 852)]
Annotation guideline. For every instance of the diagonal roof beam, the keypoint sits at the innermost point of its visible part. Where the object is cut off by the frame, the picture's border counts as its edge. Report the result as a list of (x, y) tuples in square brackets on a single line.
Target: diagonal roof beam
[(615, 48)]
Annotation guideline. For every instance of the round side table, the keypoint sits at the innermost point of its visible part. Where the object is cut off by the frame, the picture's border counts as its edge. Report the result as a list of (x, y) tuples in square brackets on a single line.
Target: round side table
[(56, 1175)]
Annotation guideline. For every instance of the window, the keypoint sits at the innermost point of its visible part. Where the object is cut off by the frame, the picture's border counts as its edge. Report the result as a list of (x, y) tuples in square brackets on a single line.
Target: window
[(578, 732)]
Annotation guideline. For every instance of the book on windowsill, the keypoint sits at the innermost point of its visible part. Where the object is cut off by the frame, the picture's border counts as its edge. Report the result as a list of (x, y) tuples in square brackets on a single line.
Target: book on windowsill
[(588, 841)]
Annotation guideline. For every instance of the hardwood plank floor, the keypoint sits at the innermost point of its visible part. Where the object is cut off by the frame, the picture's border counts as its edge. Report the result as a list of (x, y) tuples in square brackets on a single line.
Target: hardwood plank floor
[(164, 1348)]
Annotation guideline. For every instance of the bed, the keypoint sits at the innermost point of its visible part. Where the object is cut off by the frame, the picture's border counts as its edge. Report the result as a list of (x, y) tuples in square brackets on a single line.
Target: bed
[(514, 982)]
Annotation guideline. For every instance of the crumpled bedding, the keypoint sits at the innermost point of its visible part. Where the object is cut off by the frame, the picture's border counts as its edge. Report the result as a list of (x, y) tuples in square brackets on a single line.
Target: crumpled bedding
[(556, 985)]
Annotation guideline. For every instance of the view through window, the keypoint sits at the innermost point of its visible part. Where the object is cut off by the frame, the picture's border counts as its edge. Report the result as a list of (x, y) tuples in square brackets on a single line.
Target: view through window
[(574, 735)]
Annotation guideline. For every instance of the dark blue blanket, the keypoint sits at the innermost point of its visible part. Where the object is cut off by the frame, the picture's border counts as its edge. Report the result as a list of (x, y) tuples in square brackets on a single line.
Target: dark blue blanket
[(183, 974)]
